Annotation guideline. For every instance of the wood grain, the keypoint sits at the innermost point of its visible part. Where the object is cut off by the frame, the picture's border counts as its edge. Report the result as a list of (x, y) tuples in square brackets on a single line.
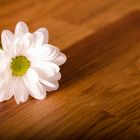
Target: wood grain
[(99, 95)]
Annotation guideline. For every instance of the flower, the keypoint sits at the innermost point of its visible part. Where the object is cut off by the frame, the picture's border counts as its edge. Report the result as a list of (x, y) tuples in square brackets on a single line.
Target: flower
[(28, 64)]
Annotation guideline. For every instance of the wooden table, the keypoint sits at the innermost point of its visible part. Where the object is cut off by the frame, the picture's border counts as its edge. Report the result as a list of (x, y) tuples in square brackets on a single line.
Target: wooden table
[(99, 95)]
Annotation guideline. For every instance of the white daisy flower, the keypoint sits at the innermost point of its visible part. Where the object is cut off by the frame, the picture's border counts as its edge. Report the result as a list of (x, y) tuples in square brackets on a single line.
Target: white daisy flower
[(28, 64)]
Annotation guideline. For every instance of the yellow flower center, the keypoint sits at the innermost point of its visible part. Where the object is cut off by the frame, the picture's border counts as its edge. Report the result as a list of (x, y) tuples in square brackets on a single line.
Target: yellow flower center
[(19, 65)]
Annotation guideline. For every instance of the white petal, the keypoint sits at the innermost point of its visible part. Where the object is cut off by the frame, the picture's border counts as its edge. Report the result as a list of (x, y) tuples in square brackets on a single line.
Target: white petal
[(36, 89), (47, 68), (61, 59), (20, 91), (38, 38), (45, 34), (7, 40), (29, 37), (53, 51), (50, 86), (20, 30), (35, 39), (3, 61), (5, 94), (37, 53), (32, 75), (54, 78), (5, 76), (52, 66), (21, 45), (46, 52), (6, 91), (52, 89)]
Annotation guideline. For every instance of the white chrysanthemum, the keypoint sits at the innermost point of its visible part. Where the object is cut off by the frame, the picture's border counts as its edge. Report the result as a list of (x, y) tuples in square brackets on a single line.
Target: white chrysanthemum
[(28, 64)]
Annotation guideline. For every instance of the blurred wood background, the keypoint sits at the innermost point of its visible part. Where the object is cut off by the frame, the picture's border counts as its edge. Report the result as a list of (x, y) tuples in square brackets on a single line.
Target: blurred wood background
[(99, 95)]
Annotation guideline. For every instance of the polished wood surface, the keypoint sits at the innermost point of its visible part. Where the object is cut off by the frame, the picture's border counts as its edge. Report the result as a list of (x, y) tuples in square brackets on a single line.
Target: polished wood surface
[(99, 94)]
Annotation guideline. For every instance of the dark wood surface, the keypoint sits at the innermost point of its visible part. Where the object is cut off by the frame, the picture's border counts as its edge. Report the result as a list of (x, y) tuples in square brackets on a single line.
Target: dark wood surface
[(99, 94)]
